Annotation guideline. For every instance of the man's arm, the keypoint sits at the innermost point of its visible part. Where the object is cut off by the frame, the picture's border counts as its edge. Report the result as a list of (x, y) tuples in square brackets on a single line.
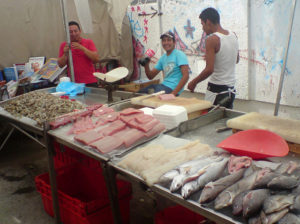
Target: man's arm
[(211, 46), (62, 61), (185, 77), (150, 73), (93, 55)]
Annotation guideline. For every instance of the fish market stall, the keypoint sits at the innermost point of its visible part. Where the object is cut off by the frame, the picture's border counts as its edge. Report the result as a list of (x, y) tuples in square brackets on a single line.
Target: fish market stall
[(211, 129), (26, 113)]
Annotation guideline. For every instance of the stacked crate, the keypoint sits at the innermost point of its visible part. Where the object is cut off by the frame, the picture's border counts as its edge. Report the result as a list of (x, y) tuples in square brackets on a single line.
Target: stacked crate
[(82, 192)]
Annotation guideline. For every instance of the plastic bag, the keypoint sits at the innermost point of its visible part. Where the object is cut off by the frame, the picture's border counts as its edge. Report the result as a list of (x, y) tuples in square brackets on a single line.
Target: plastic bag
[(70, 88)]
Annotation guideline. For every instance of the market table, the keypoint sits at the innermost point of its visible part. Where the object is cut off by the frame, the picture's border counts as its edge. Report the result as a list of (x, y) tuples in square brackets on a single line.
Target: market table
[(25, 125), (203, 128), (209, 129)]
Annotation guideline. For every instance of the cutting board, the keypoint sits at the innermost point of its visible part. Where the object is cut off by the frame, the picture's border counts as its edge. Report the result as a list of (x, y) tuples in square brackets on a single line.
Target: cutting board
[(192, 105)]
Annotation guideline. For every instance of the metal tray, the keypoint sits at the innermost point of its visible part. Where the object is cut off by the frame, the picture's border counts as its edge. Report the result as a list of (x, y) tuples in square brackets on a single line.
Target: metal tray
[(91, 96)]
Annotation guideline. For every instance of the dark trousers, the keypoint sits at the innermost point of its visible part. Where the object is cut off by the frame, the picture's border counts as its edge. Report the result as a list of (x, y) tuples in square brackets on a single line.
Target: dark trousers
[(154, 88), (224, 99)]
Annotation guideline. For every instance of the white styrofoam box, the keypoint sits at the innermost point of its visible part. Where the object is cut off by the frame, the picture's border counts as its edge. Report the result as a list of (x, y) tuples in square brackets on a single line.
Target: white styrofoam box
[(170, 115), (147, 110)]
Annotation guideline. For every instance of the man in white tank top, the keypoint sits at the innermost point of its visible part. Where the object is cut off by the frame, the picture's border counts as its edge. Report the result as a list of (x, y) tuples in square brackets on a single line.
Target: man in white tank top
[(221, 56)]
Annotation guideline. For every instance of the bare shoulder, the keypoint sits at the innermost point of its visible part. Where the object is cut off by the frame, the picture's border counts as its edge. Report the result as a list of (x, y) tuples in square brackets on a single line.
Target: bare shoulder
[(212, 40)]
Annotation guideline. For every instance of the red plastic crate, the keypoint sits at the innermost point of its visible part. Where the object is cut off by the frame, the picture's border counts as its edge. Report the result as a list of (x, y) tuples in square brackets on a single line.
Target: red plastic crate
[(103, 215), (80, 189), (178, 215), (70, 156)]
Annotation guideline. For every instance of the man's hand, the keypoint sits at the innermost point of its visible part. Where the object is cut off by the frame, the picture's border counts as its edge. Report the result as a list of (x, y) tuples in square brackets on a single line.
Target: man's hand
[(144, 61), (192, 85), (66, 50), (76, 45)]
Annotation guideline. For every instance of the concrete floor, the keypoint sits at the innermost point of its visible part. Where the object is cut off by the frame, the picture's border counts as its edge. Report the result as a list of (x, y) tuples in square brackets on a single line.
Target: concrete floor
[(22, 159)]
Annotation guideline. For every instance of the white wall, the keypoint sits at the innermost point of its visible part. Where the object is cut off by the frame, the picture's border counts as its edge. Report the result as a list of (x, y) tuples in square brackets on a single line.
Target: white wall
[(268, 33), (291, 88)]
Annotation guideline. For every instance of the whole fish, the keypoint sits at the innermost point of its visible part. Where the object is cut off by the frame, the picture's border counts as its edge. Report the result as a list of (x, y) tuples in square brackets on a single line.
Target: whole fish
[(225, 198), (296, 205), (253, 201), (296, 172), (255, 220), (188, 188), (296, 190), (237, 203), (212, 189), (283, 182), (289, 218), (277, 202), (287, 167), (274, 217), (190, 173), (177, 182), (266, 164), (168, 176), (212, 172), (183, 178), (264, 176), (183, 168)]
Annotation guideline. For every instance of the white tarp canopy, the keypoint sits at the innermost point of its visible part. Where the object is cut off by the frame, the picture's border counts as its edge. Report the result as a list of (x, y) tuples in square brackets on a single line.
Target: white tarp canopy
[(35, 28)]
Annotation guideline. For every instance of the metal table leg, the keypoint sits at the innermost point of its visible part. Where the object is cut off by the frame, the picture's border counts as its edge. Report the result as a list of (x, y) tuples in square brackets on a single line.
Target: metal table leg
[(27, 134), (6, 138), (111, 184), (52, 174), (22, 131)]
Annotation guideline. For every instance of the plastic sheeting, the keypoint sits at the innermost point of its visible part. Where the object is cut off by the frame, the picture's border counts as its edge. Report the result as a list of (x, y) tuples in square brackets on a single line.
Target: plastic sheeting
[(35, 28), (117, 13)]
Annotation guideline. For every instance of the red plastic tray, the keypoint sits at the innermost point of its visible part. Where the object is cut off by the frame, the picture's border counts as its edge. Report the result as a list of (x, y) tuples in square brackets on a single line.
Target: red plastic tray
[(255, 143)]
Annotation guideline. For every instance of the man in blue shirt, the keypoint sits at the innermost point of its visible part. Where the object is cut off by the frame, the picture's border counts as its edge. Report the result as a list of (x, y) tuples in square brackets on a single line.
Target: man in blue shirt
[(173, 63)]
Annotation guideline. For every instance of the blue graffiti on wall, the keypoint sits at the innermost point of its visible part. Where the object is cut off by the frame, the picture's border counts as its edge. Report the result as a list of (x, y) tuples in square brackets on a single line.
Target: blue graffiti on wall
[(136, 28), (268, 2), (189, 30)]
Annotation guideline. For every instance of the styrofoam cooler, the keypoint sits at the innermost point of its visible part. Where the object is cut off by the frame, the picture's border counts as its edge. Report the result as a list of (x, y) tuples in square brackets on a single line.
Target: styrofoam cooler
[(147, 110), (170, 115)]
